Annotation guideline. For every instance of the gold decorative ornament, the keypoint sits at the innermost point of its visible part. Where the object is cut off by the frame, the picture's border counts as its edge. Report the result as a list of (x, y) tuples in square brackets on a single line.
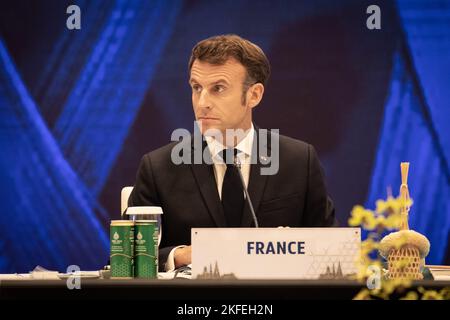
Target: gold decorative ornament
[(405, 250)]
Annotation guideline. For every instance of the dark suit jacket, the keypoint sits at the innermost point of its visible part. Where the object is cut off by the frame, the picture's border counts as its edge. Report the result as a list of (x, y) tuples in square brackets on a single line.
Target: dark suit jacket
[(296, 196)]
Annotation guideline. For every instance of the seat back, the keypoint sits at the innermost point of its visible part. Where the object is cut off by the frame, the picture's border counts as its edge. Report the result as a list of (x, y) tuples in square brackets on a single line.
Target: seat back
[(124, 195)]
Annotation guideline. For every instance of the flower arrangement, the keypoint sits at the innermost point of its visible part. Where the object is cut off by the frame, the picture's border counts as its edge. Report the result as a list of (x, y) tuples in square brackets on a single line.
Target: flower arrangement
[(405, 250)]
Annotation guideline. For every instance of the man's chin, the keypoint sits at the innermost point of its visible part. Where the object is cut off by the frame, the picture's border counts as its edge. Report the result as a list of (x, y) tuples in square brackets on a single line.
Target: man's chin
[(211, 132), (209, 129)]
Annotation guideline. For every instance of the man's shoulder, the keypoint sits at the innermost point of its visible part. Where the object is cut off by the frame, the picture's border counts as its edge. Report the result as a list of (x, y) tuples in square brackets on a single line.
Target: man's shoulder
[(293, 143), (290, 144), (162, 152)]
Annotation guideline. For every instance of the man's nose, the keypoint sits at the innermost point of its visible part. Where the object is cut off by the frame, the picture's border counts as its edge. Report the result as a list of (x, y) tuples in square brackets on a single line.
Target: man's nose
[(203, 100)]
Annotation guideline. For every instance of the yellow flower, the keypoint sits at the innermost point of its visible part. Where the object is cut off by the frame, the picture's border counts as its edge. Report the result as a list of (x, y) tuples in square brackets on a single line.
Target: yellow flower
[(364, 294), (386, 216), (411, 295), (392, 205), (358, 215), (444, 294), (431, 295), (370, 222), (362, 217), (393, 221), (368, 246), (381, 206), (391, 285)]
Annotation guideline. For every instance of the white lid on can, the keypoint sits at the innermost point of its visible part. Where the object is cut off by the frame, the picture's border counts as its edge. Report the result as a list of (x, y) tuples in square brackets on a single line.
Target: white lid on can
[(136, 211)]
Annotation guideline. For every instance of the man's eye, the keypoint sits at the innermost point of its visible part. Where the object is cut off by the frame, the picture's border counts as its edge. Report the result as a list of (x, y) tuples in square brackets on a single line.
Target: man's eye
[(219, 88), (196, 88)]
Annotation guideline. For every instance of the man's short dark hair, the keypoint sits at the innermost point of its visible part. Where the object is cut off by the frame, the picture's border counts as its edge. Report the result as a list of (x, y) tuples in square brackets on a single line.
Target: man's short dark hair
[(218, 49)]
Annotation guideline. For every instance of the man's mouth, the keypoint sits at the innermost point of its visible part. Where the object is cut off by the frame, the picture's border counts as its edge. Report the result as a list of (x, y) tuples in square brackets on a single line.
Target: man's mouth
[(207, 118)]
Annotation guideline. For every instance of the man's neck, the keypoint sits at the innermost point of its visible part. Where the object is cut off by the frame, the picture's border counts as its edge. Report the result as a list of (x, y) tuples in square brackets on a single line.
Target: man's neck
[(233, 137)]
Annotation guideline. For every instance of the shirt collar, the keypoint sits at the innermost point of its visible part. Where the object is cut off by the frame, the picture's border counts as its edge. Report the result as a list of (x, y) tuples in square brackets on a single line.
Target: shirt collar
[(244, 146)]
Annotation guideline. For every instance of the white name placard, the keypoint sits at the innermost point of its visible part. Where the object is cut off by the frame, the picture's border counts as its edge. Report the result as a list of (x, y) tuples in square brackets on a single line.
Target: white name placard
[(275, 253)]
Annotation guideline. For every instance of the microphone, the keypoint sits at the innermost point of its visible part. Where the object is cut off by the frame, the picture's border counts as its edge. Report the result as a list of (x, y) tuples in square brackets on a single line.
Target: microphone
[(237, 164)]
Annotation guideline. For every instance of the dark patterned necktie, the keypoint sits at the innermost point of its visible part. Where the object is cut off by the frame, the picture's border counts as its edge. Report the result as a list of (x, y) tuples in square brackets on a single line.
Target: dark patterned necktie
[(232, 191)]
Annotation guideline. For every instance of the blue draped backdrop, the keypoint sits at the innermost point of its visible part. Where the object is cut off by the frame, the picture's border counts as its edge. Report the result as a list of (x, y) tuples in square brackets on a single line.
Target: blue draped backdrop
[(79, 107), (416, 116)]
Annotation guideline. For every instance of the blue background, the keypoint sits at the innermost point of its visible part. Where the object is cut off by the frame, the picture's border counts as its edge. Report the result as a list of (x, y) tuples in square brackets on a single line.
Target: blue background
[(78, 108)]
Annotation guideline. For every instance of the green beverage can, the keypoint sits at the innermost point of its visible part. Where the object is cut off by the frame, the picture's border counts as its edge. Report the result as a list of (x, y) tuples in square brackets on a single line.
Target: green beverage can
[(121, 251), (146, 249)]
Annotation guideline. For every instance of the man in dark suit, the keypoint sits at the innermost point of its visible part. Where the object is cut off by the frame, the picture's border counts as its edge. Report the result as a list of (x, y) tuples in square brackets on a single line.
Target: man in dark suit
[(285, 182)]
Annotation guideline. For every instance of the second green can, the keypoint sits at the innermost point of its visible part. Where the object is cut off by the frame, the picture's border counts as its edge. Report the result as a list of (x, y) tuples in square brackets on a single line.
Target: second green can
[(146, 249)]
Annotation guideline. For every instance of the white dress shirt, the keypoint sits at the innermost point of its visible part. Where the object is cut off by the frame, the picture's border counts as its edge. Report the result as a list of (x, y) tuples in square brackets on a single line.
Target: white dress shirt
[(215, 148), (244, 156)]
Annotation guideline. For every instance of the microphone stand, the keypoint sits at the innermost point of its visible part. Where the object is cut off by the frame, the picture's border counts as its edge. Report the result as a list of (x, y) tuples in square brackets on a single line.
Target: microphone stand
[(237, 164)]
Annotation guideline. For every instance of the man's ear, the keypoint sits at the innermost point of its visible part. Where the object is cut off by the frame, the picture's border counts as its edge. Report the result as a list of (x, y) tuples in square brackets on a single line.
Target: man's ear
[(255, 94)]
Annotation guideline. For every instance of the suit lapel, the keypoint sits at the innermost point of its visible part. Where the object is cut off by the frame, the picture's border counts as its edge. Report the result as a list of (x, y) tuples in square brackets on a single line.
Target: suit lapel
[(206, 182)]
